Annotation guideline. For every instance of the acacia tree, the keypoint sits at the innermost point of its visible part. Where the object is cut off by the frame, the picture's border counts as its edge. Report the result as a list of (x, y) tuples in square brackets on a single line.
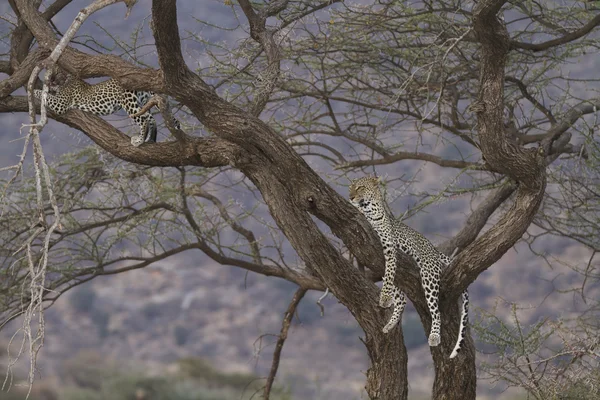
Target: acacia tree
[(314, 81)]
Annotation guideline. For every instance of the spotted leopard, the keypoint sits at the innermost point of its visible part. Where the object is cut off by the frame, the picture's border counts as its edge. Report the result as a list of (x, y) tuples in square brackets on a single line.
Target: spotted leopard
[(105, 98), (396, 236)]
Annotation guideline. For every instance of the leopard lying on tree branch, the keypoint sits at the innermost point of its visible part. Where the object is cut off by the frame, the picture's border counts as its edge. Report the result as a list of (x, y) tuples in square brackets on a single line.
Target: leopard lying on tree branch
[(105, 98), (396, 236)]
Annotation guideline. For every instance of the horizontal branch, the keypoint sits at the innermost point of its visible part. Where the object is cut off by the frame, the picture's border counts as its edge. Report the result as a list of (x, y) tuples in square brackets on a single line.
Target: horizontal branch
[(405, 155), (204, 152), (85, 65)]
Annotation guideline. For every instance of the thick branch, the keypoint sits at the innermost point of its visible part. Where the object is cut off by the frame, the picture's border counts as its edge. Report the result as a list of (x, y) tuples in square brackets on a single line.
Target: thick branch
[(493, 244), (168, 42), (22, 38), (206, 152), (526, 166), (503, 156), (290, 196), (21, 75), (85, 65)]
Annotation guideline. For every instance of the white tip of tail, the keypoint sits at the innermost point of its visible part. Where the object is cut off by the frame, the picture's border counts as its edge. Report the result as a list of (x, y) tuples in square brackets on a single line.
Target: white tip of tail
[(454, 352)]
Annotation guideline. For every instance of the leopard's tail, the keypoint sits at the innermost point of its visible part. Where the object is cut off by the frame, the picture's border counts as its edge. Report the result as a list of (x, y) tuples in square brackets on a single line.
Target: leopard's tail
[(464, 319)]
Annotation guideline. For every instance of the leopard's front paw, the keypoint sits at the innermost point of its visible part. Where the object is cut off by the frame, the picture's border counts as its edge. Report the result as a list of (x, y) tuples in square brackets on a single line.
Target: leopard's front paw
[(137, 141), (385, 300), (434, 339)]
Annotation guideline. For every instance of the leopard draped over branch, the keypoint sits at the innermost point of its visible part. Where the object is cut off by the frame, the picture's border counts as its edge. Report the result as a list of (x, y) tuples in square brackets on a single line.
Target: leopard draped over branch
[(395, 236)]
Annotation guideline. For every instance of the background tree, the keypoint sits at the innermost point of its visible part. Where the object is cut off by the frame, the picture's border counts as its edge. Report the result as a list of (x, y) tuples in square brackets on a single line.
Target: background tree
[(315, 92)]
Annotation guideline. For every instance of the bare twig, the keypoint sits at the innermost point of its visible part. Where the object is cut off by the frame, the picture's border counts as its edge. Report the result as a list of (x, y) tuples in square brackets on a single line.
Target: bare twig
[(321, 299), (285, 326), (163, 105)]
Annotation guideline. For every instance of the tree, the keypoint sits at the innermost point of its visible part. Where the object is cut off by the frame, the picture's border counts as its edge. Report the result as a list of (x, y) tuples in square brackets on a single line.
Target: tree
[(314, 78)]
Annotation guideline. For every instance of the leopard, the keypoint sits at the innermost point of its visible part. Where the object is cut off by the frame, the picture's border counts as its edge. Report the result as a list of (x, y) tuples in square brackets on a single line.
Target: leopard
[(105, 98), (395, 236)]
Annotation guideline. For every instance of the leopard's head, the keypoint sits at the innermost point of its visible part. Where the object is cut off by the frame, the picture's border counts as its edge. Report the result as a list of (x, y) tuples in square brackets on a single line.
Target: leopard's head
[(365, 192)]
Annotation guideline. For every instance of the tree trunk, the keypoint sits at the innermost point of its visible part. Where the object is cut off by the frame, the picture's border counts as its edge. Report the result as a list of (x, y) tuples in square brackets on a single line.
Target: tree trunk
[(387, 377), (455, 378)]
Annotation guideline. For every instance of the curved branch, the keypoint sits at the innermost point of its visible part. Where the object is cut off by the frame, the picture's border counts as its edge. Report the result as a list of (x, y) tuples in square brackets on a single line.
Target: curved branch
[(21, 37), (570, 117), (477, 220), (503, 156), (84, 65), (265, 37), (248, 234), (569, 37), (168, 42), (21, 75), (526, 166)]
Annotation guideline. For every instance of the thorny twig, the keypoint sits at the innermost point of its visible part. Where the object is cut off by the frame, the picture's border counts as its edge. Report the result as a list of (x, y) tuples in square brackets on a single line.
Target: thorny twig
[(33, 293)]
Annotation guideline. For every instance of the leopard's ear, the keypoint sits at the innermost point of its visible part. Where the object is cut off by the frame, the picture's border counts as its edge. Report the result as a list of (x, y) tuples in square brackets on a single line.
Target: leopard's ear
[(371, 178), (377, 179)]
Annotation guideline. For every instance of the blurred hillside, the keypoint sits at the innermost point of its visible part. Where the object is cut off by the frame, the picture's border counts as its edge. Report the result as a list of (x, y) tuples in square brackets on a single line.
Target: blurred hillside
[(187, 307)]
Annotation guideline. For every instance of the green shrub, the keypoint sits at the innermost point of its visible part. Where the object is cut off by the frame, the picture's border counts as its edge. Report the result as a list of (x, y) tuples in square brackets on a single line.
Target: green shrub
[(200, 369), (71, 393), (88, 370)]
